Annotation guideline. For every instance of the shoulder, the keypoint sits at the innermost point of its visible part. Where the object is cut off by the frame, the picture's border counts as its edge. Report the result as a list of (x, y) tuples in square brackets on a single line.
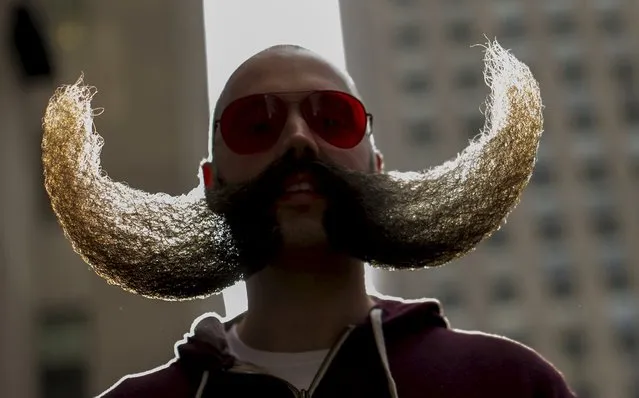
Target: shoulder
[(492, 347), (498, 356), (483, 359), (169, 380)]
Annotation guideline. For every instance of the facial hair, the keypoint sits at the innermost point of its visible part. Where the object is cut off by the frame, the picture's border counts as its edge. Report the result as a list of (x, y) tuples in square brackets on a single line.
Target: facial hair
[(193, 245), (250, 208)]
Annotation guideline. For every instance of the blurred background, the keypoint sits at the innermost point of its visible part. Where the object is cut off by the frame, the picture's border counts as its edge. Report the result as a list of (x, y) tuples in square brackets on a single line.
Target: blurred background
[(562, 276)]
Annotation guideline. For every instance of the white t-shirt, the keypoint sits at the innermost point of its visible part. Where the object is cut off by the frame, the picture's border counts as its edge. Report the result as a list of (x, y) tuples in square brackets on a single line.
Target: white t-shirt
[(298, 368)]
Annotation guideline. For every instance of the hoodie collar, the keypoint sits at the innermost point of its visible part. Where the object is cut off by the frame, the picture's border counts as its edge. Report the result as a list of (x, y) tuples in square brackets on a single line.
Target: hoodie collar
[(206, 347)]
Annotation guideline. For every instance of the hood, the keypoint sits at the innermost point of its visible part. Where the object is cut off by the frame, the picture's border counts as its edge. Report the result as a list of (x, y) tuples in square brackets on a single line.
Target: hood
[(206, 348)]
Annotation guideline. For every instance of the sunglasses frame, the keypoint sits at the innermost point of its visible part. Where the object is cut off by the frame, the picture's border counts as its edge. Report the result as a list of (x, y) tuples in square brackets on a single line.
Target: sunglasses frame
[(369, 116)]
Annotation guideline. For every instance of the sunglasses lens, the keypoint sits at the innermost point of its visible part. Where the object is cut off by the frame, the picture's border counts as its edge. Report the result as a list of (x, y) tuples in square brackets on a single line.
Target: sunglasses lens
[(338, 118), (252, 124)]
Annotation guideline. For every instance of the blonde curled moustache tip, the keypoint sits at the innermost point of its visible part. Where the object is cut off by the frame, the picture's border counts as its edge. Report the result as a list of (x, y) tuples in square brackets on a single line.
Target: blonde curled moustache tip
[(465, 200), (129, 237), (171, 247)]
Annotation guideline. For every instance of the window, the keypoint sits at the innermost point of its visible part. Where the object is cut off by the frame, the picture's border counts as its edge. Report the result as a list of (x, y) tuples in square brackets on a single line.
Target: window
[(408, 36), (623, 72), (513, 28), (562, 24), (460, 31), (583, 118), (560, 281), (610, 22), (594, 171), (542, 174), (421, 132), (605, 223), (626, 336), (468, 78), (585, 389), (574, 344), (550, 227), (503, 289), (574, 72), (66, 381), (449, 294), (415, 83), (623, 314), (63, 348), (616, 274)]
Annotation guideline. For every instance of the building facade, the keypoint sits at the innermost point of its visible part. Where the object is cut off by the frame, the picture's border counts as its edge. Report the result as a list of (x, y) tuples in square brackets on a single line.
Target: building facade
[(561, 275), (64, 331)]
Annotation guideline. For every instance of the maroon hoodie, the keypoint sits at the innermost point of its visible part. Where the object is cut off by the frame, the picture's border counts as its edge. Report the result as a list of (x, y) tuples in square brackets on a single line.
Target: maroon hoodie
[(403, 350)]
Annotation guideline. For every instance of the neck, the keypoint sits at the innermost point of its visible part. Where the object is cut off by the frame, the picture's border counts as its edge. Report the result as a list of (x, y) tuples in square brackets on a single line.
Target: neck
[(304, 306)]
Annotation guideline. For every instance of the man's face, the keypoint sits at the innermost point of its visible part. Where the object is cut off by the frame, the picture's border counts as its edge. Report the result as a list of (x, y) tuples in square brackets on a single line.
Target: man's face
[(298, 213)]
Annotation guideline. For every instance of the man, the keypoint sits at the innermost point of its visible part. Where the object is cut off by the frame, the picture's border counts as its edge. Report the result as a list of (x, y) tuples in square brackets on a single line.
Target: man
[(299, 183)]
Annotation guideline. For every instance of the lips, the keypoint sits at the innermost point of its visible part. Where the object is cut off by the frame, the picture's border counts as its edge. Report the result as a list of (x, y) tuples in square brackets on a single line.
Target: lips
[(300, 182), (301, 186)]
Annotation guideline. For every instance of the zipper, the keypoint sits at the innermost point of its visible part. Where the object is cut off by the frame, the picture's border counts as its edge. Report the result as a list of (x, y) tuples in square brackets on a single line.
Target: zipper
[(294, 390), (318, 376), (329, 358)]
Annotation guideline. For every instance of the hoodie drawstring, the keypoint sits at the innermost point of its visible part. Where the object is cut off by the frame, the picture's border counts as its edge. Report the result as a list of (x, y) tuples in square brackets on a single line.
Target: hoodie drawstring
[(200, 389), (376, 320)]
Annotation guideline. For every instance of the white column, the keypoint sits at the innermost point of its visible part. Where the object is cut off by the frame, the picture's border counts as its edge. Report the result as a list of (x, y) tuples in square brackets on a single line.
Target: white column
[(192, 102), (235, 30)]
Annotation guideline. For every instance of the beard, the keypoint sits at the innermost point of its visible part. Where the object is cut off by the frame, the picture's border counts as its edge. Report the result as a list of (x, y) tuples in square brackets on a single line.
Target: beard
[(195, 245), (249, 210)]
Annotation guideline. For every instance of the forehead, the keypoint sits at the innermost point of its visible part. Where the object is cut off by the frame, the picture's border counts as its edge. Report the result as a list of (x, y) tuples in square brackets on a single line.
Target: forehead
[(281, 72)]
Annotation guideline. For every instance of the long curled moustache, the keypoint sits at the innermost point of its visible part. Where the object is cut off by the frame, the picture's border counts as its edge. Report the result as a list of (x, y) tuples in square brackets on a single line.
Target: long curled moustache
[(155, 245), (439, 215), (176, 247)]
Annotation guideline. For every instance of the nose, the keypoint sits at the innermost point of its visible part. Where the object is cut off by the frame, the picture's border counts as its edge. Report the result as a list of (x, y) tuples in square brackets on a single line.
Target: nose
[(297, 137)]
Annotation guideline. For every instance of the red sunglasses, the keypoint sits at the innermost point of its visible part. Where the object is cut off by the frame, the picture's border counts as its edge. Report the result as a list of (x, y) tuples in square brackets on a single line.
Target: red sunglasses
[(254, 123)]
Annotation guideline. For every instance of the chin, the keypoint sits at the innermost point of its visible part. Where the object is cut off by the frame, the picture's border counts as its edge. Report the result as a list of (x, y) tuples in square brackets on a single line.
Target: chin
[(303, 232)]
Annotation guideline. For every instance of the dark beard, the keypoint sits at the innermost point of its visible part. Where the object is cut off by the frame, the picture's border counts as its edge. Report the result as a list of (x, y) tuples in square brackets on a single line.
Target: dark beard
[(248, 208), (361, 219)]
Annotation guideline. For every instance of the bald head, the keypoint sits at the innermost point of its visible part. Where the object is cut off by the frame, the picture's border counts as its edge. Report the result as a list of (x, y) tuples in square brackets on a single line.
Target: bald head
[(288, 58), (285, 69)]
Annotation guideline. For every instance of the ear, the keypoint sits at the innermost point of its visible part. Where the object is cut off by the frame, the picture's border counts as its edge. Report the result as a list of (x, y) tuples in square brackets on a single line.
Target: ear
[(208, 174), (379, 161)]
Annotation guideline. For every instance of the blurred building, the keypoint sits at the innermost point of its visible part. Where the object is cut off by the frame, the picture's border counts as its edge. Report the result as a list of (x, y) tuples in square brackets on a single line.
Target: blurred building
[(562, 275), (63, 331)]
